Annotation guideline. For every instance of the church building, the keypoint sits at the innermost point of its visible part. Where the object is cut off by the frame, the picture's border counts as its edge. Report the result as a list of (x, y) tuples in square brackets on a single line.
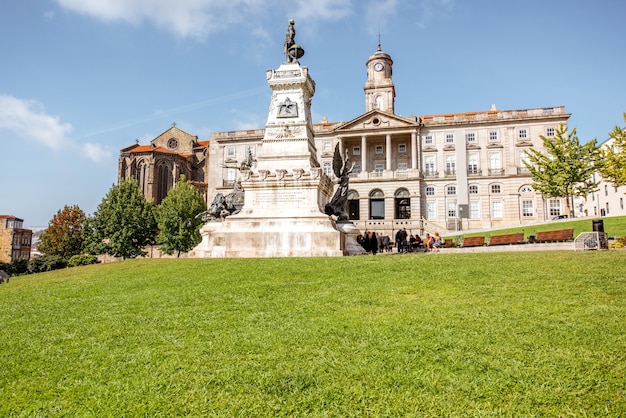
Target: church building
[(426, 173)]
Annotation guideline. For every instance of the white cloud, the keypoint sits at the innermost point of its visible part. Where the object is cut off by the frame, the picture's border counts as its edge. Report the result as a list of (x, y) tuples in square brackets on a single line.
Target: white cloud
[(198, 18), (96, 152), (378, 12), (322, 9), (430, 9), (28, 119)]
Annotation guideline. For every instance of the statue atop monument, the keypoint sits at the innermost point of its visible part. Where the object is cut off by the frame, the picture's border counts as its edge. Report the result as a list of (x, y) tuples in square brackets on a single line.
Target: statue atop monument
[(292, 50)]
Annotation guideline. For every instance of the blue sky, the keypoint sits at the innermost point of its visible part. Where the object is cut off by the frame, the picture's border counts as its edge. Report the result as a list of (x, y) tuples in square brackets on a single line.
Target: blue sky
[(82, 79)]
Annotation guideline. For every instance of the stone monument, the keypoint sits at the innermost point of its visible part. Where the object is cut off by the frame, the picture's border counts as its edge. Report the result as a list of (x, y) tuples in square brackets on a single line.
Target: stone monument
[(286, 192)]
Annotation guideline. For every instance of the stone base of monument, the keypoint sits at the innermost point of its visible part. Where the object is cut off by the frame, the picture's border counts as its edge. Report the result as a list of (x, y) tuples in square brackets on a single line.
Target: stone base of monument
[(274, 237), (281, 218)]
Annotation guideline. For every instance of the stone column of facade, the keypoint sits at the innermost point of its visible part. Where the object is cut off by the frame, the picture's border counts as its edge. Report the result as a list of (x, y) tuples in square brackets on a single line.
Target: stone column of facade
[(388, 152), (414, 151), (364, 154)]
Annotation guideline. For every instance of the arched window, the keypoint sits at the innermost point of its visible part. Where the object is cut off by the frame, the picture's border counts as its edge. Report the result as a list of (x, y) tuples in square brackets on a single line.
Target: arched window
[(354, 209), (141, 175), (377, 204), (164, 182), (403, 204), (378, 103)]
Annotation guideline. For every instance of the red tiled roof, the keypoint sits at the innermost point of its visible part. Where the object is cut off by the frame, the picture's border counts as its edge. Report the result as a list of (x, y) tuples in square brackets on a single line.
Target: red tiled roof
[(8, 216)]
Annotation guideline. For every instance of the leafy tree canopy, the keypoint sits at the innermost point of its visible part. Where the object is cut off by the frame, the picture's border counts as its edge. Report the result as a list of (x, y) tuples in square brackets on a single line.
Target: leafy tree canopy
[(567, 167), (124, 222), (179, 228), (64, 235), (614, 158)]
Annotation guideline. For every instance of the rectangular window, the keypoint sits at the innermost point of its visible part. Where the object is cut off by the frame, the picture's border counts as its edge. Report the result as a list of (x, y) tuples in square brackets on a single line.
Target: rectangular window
[(555, 207), (472, 189), (449, 138), (429, 164), (379, 149), (356, 169), (403, 167), (402, 148), (451, 190), (470, 137), (379, 168), (378, 209), (452, 209), (522, 134), (356, 151), (328, 168), (550, 132), (472, 164), (450, 164), (230, 152), (431, 210), (430, 191), (493, 135), (495, 161), (474, 209), (496, 209), (428, 139), (327, 146), (528, 208)]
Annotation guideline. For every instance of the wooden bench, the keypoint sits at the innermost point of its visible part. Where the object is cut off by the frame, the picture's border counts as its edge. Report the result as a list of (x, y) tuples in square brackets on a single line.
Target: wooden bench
[(473, 241), (555, 236), (507, 239)]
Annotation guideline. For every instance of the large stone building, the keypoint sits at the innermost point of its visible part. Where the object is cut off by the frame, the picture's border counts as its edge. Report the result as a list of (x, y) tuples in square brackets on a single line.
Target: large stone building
[(158, 166), (15, 241), (444, 172), (608, 200)]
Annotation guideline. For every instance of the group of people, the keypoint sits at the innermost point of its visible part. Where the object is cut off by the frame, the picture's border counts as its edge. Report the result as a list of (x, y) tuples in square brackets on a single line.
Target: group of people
[(415, 242), (369, 242)]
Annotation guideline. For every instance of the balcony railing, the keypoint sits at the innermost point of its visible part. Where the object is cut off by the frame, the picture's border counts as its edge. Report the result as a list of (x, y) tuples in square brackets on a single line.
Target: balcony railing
[(496, 171), (450, 173), (473, 172), (431, 173), (523, 171)]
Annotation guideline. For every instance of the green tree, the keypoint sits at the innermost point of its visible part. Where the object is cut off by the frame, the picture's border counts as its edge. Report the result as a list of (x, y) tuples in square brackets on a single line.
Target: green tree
[(566, 170), (64, 235), (124, 223), (614, 158), (179, 229)]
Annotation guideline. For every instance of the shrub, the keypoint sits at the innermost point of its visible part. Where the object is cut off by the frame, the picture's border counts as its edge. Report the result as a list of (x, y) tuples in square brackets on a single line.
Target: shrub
[(619, 243), (46, 263), (82, 260)]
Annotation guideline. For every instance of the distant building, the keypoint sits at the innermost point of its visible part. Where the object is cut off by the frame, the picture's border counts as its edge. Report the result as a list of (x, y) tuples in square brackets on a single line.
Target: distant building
[(608, 200), (15, 241), (443, 172), (158, 166)]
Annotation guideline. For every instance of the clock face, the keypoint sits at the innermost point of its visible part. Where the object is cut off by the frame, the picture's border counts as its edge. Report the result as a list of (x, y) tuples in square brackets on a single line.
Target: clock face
[(379, 66)]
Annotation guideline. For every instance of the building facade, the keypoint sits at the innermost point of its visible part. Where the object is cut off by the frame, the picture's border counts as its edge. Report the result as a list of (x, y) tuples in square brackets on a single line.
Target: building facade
[(159, 165), (445, 172), (426, 173), (608, 200), (15, 241)]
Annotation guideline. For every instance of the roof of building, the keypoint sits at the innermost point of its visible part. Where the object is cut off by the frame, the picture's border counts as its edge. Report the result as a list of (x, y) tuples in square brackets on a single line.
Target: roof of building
[(10, 217)]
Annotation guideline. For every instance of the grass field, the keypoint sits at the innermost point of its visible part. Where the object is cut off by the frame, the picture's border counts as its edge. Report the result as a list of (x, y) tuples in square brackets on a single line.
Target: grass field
[(614, 226), (459, 335)]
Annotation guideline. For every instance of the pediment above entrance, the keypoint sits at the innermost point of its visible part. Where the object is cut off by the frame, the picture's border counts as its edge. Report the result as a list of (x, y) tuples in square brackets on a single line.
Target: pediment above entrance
[(376, 120)]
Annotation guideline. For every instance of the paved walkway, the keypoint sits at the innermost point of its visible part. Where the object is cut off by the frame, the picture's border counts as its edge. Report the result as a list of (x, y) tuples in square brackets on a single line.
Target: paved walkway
[(548, 246)]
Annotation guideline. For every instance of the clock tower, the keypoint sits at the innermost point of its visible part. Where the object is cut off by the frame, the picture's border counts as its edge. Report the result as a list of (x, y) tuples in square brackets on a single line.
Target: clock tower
[(379, 90)]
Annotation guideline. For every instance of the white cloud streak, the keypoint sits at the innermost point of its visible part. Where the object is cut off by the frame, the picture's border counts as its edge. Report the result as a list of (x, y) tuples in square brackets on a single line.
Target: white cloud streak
[(28, 119), (198, 18)]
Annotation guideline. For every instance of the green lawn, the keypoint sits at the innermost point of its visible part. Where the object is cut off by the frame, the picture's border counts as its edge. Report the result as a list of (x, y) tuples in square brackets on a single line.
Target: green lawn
[(614, 226), (482, 334)]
